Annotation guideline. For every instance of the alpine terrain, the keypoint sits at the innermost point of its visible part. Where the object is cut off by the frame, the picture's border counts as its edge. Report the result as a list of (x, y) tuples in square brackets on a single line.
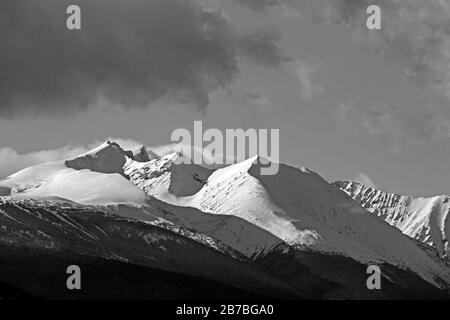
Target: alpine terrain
[(149, 226), (424, 219)]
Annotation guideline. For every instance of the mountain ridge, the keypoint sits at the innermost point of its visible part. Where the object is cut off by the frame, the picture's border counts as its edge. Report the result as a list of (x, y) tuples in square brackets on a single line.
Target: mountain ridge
[(248, 212), (423, 218)]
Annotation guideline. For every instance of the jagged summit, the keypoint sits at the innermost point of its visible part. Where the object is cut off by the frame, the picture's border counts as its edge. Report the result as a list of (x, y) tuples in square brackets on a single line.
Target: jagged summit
[(303, 209), (140, 154), (173, 173), (424, 219), (95, 177), (294, 205), (109, 157), (355, 185)]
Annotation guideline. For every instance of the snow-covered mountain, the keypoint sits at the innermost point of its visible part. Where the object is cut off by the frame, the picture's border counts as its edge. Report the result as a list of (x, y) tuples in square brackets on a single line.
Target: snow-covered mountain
[(167, 180), (47, 226), (101, 178), (167, 175), (94, 178), (424, 219), (303, 210), (234, 211)]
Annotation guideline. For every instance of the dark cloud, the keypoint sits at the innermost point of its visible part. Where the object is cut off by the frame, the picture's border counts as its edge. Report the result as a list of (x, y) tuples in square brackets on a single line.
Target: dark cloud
[(261, 47), (129, 53), (417, 35), (415, 32)]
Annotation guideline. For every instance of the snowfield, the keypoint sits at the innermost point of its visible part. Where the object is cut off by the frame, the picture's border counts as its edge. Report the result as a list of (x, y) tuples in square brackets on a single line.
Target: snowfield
[(424, 219), (301, 208), (82, 179), (235, 205)]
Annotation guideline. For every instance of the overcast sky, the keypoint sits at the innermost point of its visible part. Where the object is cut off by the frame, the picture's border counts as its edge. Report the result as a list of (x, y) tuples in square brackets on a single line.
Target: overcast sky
[(350, 103)]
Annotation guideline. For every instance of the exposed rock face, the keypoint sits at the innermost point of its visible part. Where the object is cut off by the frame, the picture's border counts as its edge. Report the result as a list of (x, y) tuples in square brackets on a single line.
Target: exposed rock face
[(107, 158), (140, 154), (424, 219)]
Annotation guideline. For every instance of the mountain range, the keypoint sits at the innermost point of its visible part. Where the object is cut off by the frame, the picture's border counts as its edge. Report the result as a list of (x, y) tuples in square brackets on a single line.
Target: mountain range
[(424, 219), (135, 221)]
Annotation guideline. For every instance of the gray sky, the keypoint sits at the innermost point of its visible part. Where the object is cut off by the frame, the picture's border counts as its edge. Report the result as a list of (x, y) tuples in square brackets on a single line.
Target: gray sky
[(349, 102)]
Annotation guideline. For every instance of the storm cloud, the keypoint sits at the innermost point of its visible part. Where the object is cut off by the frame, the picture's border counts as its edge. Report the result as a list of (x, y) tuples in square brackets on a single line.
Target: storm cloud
[(416, 32), (128, 53), (261, 47)]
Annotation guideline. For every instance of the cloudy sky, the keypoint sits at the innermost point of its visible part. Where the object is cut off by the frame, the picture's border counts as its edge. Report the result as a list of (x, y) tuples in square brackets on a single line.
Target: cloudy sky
[(371, 105)]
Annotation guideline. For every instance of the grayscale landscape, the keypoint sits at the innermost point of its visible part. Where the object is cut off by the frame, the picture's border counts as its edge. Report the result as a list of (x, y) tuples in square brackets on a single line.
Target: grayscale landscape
[(224, 150)]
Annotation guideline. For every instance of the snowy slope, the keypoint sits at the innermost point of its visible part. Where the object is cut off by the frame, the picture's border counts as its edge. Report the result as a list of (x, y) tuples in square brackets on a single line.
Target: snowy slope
[(235, 205), (107, 158), (168, 179), (296, 206), (82, 186), (94, 178), (168, 173), (237, 233), (54, 226), (304, 210), (39, 238), (424, 219), (100, 178)]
